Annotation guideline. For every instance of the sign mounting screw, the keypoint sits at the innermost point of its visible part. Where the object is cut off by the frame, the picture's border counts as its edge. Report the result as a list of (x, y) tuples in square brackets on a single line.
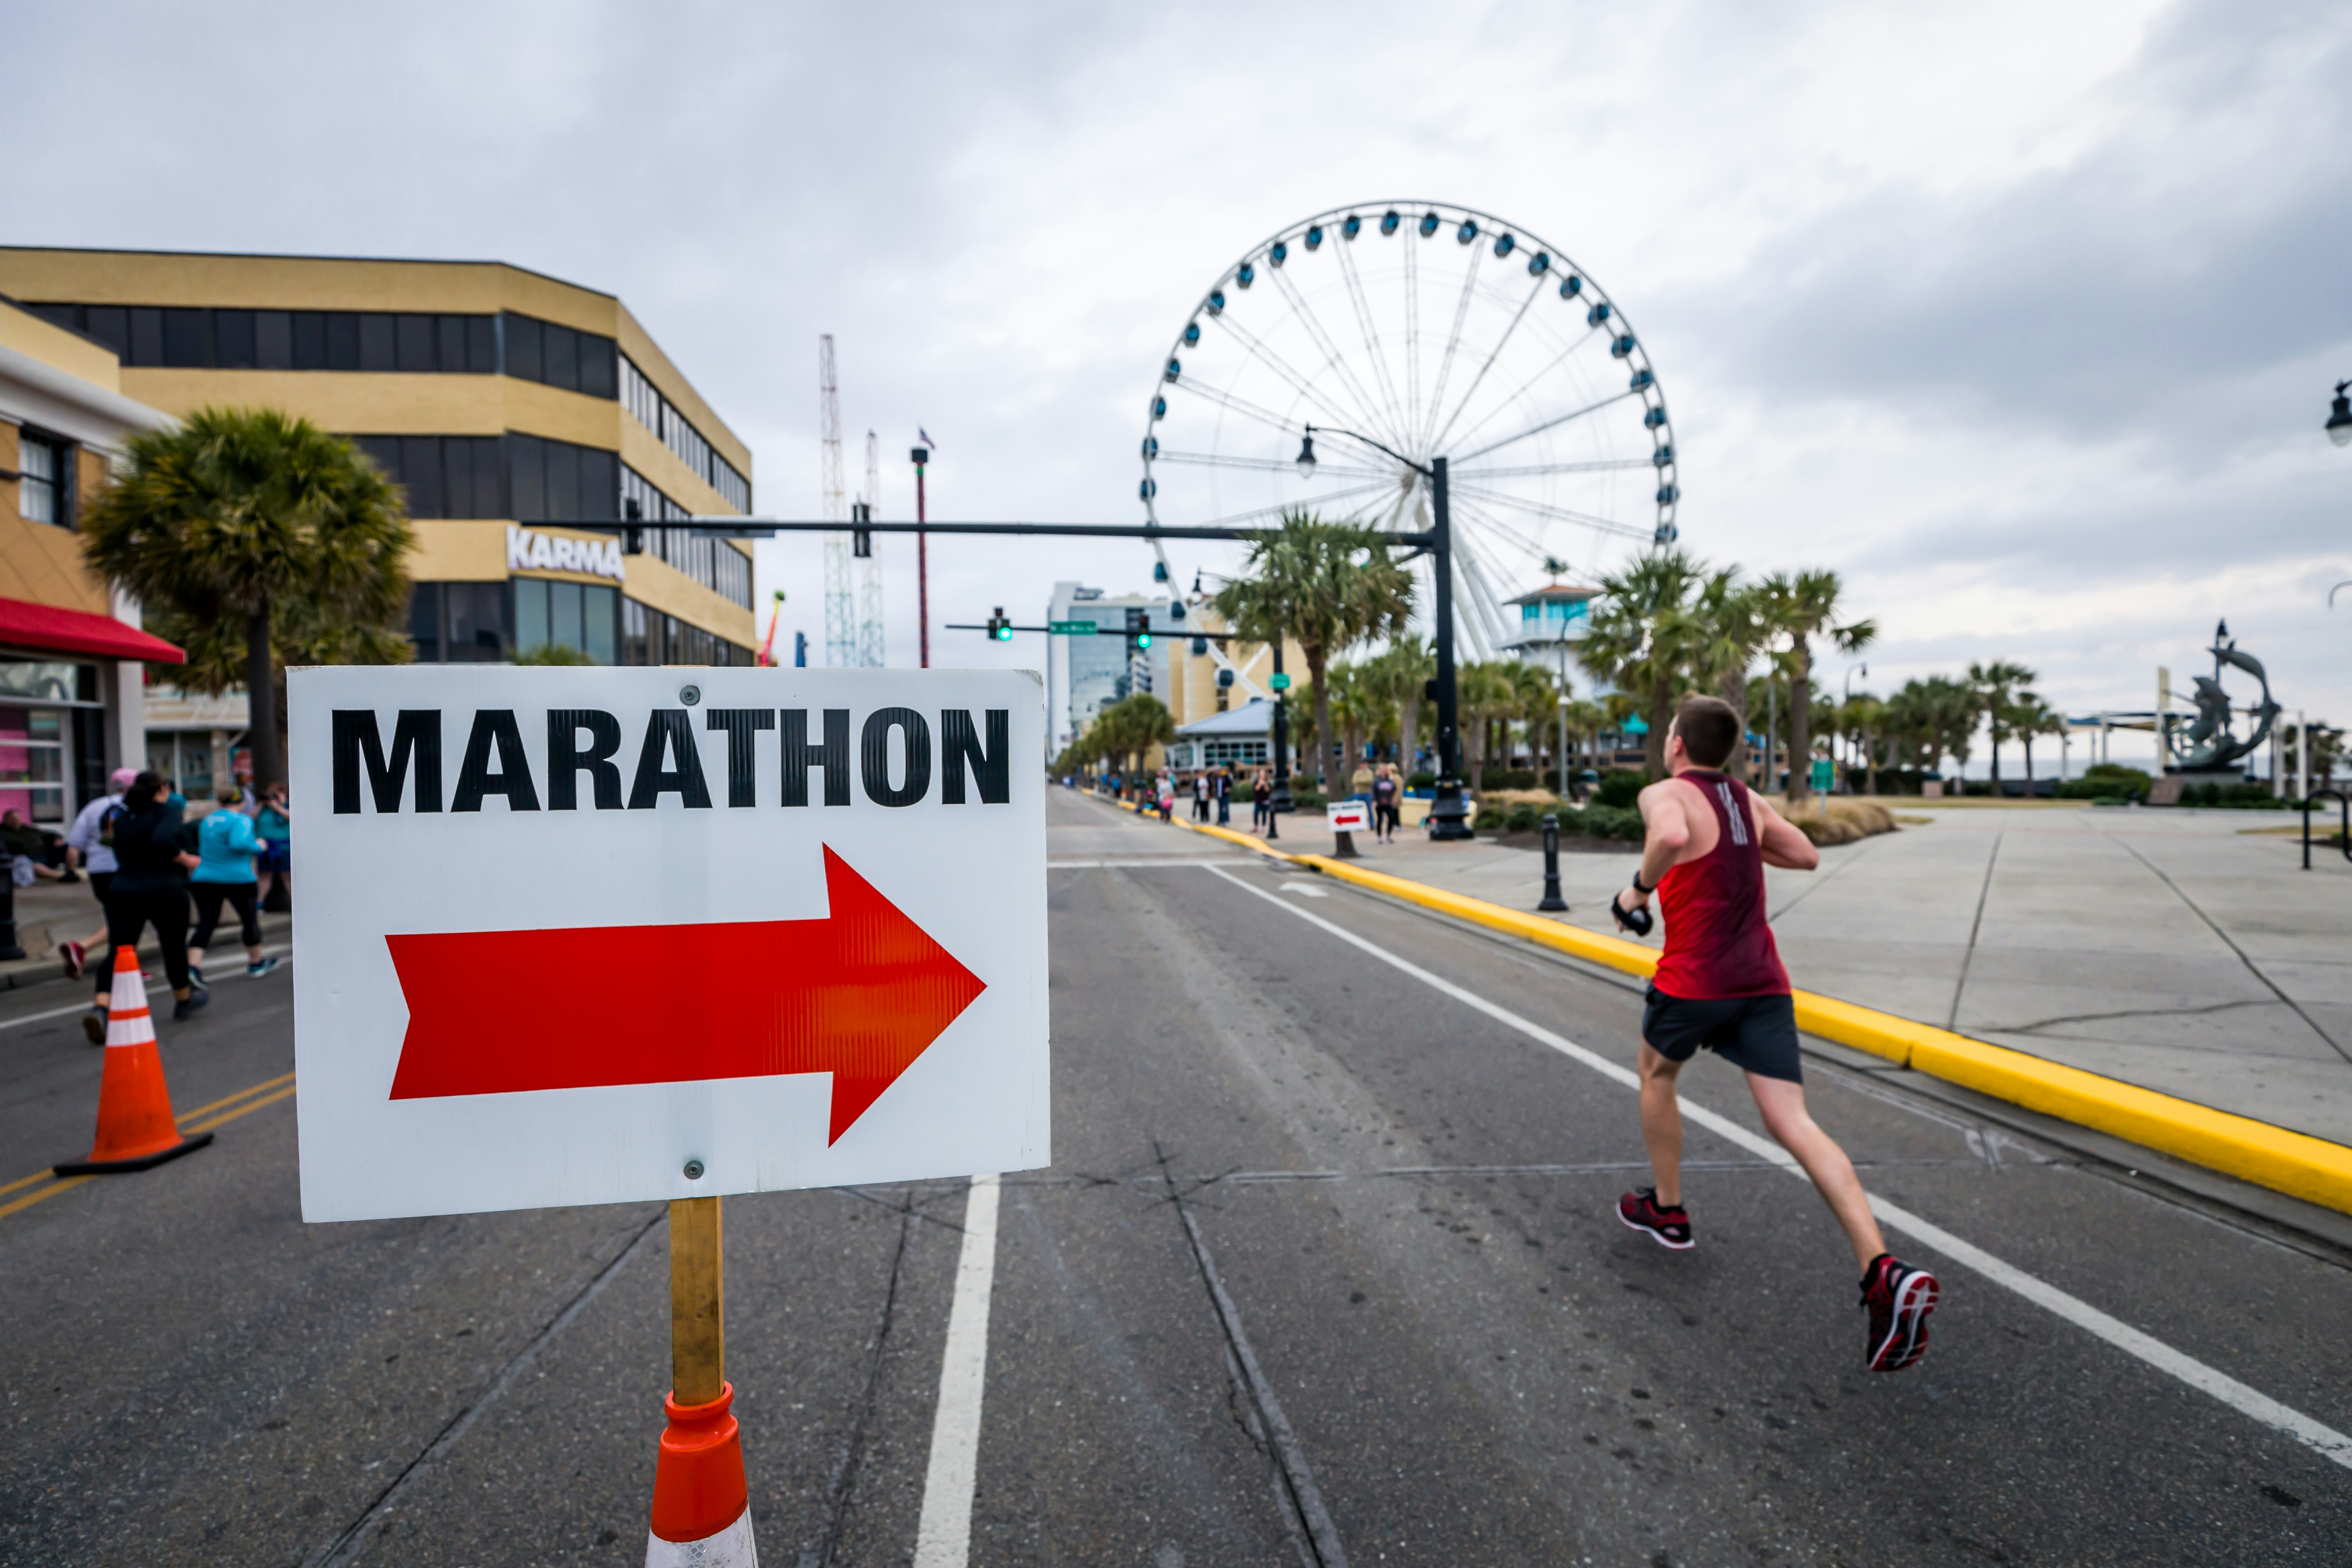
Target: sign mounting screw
[(690, 695), (693, 1167)]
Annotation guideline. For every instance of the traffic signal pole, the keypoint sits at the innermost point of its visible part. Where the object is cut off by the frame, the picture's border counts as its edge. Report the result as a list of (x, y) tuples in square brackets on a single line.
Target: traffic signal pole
[(1449, 818), (922, 455)]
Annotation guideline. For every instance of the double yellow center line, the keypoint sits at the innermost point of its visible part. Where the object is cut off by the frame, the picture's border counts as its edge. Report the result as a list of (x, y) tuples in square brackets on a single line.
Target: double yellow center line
[(202, 1119)]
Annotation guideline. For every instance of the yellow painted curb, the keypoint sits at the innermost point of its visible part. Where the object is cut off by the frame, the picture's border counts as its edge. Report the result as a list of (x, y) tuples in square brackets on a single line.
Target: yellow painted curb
[(2292, 1163)]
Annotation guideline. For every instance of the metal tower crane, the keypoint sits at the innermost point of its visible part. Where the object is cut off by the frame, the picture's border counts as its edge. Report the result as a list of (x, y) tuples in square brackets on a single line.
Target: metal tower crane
[(870, 570), (840, 626)]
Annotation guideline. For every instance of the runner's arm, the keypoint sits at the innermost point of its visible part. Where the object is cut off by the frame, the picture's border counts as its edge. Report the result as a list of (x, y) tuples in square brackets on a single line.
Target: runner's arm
[(1783, 845), (1661, 845)]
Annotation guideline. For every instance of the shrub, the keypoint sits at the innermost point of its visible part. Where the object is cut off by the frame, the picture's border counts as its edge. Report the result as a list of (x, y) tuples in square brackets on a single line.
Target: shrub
[(1507, 778), (1620, 787), (1523, 817), (552, 653), (1421, 780)]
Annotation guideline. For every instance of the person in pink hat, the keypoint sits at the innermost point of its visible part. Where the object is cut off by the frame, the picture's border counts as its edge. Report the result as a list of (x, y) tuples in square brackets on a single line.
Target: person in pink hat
[(89, 843)]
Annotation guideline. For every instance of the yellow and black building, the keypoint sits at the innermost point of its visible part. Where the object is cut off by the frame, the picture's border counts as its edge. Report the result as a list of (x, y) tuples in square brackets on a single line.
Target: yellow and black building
[(506, 402)]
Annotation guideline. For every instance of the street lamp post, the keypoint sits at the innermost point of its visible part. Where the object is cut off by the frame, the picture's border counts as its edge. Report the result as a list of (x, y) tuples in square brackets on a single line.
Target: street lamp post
[(1281, 801), (1448, 816), (922, 455), (1848, 699), (2339, 418)]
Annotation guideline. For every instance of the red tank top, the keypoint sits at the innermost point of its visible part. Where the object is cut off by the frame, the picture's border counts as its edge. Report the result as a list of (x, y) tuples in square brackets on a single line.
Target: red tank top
[(1718, 943)]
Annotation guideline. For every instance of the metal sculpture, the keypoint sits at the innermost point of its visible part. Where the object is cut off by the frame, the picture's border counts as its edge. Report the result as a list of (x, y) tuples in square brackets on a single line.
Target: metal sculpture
[(2210, 745)]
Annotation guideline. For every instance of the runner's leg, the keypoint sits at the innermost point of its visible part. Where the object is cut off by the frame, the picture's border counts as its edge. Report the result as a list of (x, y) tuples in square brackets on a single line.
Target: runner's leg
[(1785, 1117), (1662, 1126)]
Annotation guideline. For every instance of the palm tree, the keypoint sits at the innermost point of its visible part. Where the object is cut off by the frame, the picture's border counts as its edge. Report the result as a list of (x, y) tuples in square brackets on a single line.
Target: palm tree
[(1640, 638), (1535, 700), (1484, 692), (2029, 717), (239, 512), (1866, 723), (1586, 719), (1330, 586), (1993, 686), (1728, 631), (1801, 608), (1402, 673)]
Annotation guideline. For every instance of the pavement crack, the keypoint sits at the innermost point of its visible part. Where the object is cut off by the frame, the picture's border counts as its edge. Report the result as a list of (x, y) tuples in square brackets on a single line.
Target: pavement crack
[(352, 1539), (819, 1553), (1310, 1524)]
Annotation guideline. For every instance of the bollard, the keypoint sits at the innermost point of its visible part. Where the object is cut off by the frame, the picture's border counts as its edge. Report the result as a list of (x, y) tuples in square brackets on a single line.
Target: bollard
[(9, 947), (1552, 902)]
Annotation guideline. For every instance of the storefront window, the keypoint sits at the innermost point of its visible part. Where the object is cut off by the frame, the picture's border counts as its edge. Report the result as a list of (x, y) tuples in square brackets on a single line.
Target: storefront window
[(579, 615), (33, 762)]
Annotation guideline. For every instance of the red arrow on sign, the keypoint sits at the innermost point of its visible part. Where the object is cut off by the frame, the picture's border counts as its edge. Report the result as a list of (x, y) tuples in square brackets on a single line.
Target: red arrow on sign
[(860, 995)]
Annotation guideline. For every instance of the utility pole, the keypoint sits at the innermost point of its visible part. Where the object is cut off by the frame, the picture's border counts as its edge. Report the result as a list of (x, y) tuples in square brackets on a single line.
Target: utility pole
[(840, 625), (922, 455)]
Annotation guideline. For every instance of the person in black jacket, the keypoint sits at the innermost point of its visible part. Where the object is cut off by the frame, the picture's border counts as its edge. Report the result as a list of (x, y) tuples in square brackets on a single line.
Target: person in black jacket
[(150, 886)]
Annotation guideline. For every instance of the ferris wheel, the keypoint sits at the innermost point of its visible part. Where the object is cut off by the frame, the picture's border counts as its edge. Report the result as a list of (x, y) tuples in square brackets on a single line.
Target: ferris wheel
[(1431, 331)]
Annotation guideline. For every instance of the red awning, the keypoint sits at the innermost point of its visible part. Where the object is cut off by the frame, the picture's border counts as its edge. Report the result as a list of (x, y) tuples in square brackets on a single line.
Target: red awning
[(45, 627)]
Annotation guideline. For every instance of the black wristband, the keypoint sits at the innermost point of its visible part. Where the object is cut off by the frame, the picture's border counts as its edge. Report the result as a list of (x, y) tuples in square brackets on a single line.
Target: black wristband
[(1645, 892)]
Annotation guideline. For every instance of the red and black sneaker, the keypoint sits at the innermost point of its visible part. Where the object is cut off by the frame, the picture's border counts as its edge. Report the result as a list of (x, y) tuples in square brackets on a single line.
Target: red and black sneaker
[(1667, 1226), (1900, 1298)]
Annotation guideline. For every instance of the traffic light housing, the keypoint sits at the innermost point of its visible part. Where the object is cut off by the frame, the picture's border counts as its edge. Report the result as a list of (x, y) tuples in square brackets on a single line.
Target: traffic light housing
[(1138, 629), (861, 540), (999, 630)]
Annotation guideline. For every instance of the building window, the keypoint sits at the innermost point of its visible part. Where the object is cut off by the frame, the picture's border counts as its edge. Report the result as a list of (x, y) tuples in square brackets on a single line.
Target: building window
[(410, 341), (45, 493), (459, 623), (556, 355), (445, 476), (579, 615), (644, 400), (712, 562)]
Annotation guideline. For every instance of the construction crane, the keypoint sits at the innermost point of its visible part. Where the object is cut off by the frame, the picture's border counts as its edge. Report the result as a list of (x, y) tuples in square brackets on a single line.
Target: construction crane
[(870, 570), (840, 626)]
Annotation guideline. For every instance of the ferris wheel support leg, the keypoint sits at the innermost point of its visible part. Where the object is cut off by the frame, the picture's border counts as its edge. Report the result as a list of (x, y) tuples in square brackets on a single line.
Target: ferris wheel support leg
[(1448, 814)]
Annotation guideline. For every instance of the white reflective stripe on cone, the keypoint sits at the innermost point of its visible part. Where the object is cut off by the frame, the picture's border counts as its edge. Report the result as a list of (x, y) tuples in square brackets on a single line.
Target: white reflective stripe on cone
[(730, 1548), (135, 1029)]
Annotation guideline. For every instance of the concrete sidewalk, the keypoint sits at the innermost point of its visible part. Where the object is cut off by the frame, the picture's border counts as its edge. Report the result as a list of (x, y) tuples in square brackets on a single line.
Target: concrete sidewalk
[(2167, 949), (49, 914)]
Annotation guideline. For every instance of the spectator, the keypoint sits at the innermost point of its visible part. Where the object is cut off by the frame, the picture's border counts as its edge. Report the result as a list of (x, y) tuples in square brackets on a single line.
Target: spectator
[(150, 886), (273, 823), (33, 853), (1225, 791), (1261, 802), (1200, 798), (1387, 815), (1167, 796), (91, 839), (225, 847)]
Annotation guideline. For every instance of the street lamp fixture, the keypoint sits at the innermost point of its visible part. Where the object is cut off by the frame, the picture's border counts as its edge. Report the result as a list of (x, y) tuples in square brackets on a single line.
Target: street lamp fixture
[(2339, 423), (1307, 451)]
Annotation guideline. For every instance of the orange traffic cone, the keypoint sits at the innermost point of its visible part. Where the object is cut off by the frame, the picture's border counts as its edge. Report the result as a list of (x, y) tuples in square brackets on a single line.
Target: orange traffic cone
[(702, 1512), (135, 1127)]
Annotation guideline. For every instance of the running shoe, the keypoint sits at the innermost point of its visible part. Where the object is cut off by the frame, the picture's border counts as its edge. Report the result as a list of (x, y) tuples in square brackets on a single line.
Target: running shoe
[(75, 958), (195, 1002), (255, 971), (196, 975), (93, 1024), (1667, 1226), (1899, 1299)]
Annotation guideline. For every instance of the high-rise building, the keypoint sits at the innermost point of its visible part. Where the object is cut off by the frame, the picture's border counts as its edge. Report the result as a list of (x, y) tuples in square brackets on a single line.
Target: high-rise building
[(509, 405)]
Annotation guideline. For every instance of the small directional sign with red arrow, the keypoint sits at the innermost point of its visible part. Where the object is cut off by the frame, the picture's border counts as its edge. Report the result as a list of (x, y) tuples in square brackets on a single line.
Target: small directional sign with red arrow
[(576, 935)]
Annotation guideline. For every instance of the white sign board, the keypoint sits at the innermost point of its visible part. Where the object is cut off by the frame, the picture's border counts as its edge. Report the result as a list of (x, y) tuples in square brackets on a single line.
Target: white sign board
[(1349, 817), (587, 935)]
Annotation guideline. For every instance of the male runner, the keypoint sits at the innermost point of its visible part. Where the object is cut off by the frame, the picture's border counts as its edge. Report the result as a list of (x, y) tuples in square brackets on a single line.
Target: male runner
[(1720, 984)]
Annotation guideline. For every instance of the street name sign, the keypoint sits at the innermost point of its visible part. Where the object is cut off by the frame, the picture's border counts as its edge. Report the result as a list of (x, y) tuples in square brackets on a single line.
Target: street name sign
[(1349, 816), (1072, 628), (603, 935)]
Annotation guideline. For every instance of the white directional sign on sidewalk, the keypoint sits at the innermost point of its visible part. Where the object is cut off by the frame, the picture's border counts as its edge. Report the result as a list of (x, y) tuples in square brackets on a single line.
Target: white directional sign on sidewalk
[(584, 936)]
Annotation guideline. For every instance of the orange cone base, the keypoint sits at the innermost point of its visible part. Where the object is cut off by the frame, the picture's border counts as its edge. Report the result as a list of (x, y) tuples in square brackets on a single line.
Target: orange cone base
[(146, 1162), (702, 1515)]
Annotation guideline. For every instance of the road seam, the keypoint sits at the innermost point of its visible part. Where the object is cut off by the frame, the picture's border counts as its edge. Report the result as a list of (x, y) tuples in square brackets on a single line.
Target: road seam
[(1304, 1500), (352, 1539), (943, 1536), (2247, 1401)]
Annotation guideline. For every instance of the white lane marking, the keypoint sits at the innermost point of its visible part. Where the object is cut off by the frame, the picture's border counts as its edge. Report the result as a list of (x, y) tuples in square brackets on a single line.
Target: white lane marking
[(943, 1537), (84, 1007), (1302, 890), (2248, 1402)]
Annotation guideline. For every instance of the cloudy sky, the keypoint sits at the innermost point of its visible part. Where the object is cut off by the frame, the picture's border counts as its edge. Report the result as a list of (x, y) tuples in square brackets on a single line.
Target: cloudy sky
[(2022, 317)]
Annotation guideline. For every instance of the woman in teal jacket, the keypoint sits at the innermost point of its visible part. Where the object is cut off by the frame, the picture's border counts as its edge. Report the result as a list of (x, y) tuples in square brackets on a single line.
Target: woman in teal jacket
[(226, 846)]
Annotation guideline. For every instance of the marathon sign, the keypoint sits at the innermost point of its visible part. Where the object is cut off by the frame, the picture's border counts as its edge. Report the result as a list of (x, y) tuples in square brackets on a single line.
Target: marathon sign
[(590, 935)]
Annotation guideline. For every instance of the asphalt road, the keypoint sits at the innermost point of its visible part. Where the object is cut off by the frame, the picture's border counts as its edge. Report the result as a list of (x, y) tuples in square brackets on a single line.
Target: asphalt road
[(1428, 1339)]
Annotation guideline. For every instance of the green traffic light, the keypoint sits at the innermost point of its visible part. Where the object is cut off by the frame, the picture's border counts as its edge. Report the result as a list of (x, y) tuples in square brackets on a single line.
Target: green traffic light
[(1005, 634), (1143, 640)]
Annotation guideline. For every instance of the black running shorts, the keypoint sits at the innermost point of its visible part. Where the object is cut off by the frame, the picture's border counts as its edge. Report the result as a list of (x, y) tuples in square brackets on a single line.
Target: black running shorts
[(1754, 1034)]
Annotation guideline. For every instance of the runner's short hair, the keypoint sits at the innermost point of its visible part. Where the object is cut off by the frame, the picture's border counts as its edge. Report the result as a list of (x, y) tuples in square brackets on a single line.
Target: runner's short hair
[(1709, 728)]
